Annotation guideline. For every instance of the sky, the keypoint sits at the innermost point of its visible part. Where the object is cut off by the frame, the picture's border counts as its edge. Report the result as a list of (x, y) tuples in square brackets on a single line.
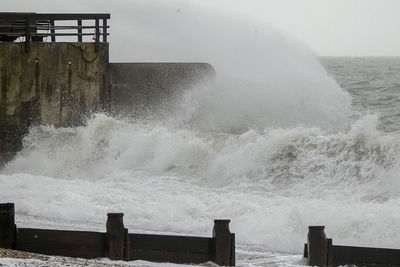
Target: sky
[(327, 27)]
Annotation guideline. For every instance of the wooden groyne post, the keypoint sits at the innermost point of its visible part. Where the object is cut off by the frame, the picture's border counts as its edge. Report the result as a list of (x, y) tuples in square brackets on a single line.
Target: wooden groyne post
[(7, 225), (224, 240), (116, 236), (318, 247)]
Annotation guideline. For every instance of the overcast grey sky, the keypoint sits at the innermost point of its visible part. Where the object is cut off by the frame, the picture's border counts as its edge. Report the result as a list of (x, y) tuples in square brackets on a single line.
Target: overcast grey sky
[(328, 27)]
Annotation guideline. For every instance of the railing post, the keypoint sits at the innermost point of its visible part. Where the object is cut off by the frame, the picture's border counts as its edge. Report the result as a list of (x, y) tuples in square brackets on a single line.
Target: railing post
[(97, 32), (27, 33), (105, 30), (53, 30), (223, 243), (115, 237), (7, 225), (79, 31), (317, 245)]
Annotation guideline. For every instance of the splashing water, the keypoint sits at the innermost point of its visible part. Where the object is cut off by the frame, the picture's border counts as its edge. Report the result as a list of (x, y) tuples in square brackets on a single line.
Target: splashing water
[(272, 184), (263, 78), (274, 145)]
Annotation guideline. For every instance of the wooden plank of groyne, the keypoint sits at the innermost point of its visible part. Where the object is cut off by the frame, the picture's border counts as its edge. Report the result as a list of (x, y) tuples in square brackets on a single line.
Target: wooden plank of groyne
[(186, 249), (171, 243), (64, 243), (176, 249), (365, 255)]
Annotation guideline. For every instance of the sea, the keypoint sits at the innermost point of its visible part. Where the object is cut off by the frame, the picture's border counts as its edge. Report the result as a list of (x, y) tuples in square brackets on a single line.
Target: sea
[(319, 146)]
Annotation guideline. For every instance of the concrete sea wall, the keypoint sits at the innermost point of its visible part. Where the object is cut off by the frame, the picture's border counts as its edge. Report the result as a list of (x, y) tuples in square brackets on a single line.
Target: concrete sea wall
[(62, 84), (54, 83), (139, 89)]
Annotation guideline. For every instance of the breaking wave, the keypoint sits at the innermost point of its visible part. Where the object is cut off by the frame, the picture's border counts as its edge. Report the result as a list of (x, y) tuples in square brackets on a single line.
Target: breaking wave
[(272, 184)]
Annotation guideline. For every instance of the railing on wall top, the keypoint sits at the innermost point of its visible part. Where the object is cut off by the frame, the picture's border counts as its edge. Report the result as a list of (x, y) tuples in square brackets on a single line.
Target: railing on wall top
[(37, 27)]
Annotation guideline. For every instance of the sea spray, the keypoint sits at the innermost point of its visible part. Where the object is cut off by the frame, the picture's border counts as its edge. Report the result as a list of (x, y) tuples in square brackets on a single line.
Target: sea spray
[(264, 79)]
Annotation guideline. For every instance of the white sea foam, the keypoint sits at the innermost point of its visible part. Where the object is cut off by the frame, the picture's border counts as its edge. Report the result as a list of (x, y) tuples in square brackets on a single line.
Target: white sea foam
[(272, 185)]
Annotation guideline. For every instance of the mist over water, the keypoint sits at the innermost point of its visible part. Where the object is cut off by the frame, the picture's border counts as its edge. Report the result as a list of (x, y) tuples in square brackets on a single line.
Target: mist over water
[(264, 79), (274, 144)]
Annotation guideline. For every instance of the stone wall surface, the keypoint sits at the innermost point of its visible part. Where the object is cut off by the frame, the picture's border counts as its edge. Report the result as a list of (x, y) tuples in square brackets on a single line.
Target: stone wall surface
[(54, 83), (61, 84), (138, 89)]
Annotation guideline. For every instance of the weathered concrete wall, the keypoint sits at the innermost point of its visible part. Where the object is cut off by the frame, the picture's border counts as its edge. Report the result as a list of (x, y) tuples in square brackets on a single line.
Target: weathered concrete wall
[(54, 83), (143, 88), (62, 83)]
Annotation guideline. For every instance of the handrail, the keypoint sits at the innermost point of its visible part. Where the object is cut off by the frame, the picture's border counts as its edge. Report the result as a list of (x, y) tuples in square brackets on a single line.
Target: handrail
[(54, 16)]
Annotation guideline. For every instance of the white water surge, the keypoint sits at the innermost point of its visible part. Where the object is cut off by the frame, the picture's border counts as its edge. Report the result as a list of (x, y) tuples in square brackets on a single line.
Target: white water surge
[(269, 146), (272, 185)]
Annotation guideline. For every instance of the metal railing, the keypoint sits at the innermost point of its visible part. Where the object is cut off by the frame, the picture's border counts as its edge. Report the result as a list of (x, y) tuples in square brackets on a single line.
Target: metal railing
[(36, 27)]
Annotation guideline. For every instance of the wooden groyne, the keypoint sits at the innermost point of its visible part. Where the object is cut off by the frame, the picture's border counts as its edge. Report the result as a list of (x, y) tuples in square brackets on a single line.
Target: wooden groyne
[(117, 243), (320, 251)]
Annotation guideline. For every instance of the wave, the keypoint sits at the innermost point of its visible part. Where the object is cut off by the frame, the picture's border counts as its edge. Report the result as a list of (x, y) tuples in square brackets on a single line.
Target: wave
[(275, 158), (272, 184)]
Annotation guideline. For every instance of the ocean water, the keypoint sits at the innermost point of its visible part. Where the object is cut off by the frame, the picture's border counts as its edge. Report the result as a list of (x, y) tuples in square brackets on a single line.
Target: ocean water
[(177, 174)]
